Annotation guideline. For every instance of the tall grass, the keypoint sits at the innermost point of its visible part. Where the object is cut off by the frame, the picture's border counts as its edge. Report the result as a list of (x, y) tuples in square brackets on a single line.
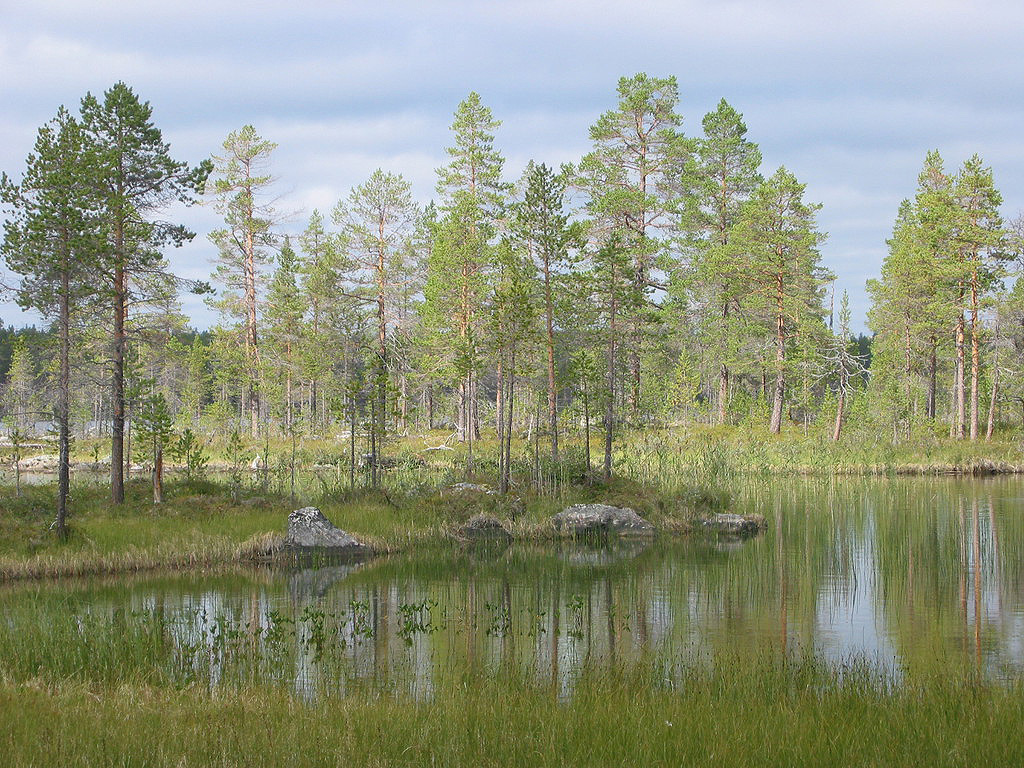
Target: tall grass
[(742, 712)]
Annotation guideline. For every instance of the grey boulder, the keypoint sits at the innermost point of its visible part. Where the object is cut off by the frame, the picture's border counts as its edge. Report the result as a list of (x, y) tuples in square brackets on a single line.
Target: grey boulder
[(732, 524), (583, 519), (308, 528), (483, 527)]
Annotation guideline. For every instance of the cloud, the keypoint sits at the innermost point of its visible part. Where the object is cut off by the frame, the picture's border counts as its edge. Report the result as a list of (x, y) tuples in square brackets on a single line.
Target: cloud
[(847, 95)]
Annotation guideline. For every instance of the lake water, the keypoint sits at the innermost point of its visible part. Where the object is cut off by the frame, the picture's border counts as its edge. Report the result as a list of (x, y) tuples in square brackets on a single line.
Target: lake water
[(905, 573)]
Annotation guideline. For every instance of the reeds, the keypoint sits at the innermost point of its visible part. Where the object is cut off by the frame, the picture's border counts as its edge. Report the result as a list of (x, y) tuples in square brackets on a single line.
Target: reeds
[(741, 712)]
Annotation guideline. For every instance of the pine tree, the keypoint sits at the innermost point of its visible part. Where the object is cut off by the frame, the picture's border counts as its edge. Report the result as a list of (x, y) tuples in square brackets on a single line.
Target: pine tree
[(197, 382), (542, 227), (777, 237), (136, 179), (19, 400), (615, 294), (513, 325), (237, 186), (319, 282), (720, 177), (284, 311), (378, 221), (473, 196), (51, 239), (629, 179), (155, 431), (979, 239)]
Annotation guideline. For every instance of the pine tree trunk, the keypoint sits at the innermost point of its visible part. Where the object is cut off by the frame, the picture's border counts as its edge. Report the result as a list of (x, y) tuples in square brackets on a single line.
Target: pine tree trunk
[(635, 375), (470, 430), (586, 428), (507, 464), (780, 362), (474, 404), (460, 412), (723, 393), (908, 371), (840, 408), (430, 406), (64, 408), (932, 381), (552, 392), (975, 355), (992, 400), (958, 381), (117, 385), (723, 375), (499, 423), (158, 475), (352, 444), (288, 399), (609, 410)]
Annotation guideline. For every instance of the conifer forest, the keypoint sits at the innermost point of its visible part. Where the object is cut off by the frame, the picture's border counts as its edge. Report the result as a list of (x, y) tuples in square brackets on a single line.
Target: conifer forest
[(662, 279)]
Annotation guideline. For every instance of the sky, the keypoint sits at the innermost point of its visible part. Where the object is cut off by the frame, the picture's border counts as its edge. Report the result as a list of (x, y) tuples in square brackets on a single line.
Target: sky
[(849, 96)]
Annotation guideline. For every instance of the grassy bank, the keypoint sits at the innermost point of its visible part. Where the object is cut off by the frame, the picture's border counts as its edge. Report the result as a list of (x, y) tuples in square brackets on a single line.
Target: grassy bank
[(202, 523), (667, 475), (789, 713)]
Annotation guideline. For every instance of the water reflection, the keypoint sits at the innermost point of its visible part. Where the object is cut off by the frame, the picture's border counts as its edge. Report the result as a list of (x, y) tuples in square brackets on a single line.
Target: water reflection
[(910, 573)]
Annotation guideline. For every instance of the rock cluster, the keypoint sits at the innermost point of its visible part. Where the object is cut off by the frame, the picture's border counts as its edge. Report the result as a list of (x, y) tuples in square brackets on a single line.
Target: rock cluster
[(734, 525), (584, 519), (483, 527)]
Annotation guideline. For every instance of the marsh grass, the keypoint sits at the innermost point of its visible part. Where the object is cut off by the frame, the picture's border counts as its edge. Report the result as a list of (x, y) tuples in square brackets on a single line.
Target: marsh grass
[(759, 711)]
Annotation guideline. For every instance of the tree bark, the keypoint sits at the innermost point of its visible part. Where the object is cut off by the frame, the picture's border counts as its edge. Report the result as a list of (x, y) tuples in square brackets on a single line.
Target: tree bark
[(957, 430), (780, 360), (723, 375), (990, 427), (840, 408), (507, 464), (499, 423), (975, 355), (552, 392), (586, 427), (64, 407), (117, 385), (932, 376), (609, 410), (158, 475)]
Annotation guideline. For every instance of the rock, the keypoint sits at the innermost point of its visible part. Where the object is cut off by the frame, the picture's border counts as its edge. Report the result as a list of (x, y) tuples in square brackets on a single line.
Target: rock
[(583, 519), (508, 504), (732, 524), (601, 554), (472, 488), (314, 583), (382, 462), (481, 527), (46, 463), (307, 528)]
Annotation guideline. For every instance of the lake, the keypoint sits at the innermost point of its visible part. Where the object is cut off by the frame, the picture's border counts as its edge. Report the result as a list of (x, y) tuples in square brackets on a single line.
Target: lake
[(901, 573)]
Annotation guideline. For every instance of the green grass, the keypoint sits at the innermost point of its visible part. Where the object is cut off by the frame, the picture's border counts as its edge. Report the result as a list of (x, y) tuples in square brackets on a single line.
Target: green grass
[(201, 524), (765, 712), (667, 475)]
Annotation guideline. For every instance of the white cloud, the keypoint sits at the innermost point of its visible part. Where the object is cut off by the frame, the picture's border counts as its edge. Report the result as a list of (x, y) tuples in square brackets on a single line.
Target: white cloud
[(847, 95)]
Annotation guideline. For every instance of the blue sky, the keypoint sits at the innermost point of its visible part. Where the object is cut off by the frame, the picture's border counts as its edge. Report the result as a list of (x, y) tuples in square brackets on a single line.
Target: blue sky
[(848, 96)]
